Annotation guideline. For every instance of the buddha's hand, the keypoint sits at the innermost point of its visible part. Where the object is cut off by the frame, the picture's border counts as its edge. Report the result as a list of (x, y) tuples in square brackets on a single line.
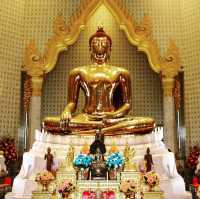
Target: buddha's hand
[(65, 118)]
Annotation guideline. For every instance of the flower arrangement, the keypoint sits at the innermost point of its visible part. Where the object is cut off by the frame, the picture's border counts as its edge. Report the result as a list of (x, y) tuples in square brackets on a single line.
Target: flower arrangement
[(193, 157), (44, 176), (66, 187), (108, 195), (151, 179), (115, 161), (7, 145), (127, 186), (89, 195), (83, 161)]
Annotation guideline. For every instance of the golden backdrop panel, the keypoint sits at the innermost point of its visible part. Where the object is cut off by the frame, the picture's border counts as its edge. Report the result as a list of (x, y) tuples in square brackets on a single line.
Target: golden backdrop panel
[(11, 52), (146, 87), (191, 62)]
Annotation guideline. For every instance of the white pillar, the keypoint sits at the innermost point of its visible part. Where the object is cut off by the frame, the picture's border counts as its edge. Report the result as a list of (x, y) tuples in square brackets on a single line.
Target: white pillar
[(169, 114), (35, 108), (35, 118), (169, 123)]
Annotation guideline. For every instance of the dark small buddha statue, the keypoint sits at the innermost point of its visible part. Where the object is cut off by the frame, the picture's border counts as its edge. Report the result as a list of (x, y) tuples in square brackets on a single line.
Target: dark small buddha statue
[(98, 168), (49, 159), (148, 160)]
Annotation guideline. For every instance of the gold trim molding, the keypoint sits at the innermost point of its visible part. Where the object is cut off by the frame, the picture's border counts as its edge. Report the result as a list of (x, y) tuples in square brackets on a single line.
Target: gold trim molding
[(138, 34)]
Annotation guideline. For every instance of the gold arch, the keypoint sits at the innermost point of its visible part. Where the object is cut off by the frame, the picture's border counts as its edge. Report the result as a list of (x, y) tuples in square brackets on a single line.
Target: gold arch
[(139, 35)]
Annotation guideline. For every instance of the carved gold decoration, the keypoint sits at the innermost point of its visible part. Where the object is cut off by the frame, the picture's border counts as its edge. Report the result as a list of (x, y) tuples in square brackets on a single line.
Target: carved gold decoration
[(170, 63), (168, 85), (139, 35), (67, 164), (128, 155), (170, 66), (34, 67), (37, 85)]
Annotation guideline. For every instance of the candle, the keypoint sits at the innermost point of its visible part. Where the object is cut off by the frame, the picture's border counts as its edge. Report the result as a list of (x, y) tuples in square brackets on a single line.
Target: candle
[(107, 181)]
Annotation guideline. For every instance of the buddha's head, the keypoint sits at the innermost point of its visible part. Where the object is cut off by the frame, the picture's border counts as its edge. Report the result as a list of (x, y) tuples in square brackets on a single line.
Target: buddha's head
[(48, 150), (100, 46)]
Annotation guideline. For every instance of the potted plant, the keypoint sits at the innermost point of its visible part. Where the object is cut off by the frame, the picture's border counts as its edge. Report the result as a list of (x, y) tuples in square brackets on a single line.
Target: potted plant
[(82, 162), (44, 178), (89, 195), (109, 194), (128, 188), (66, 188), (151, 179), (114, 162)]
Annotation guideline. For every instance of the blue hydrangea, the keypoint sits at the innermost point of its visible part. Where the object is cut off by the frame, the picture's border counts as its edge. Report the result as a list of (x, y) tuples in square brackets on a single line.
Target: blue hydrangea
[(115, 161), (83, 161)]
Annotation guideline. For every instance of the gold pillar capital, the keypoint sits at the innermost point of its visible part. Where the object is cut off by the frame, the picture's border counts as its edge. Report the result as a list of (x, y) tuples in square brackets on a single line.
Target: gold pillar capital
[(34, 67), (37, 85), (168, 86)]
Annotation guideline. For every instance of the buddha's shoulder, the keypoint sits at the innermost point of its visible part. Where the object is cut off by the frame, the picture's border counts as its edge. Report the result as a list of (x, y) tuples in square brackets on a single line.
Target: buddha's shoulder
[(119, 69), (79, 69)]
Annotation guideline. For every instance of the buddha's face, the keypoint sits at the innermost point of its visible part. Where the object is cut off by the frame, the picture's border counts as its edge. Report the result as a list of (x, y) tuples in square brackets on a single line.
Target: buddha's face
[(100, 49)]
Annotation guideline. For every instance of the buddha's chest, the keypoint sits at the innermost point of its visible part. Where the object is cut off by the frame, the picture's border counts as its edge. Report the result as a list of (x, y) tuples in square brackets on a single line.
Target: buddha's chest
[(98, 74), (100, 81), (101, 86)]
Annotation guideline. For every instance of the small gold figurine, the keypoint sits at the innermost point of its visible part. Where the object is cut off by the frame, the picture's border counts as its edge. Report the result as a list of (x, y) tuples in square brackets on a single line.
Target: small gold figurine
[(85, 149), (113, 148), (67, 164), (128, 155)]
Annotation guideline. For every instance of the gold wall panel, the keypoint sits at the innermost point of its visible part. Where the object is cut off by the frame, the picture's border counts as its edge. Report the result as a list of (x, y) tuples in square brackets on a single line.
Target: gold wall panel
[(191, 62), (11, 53)]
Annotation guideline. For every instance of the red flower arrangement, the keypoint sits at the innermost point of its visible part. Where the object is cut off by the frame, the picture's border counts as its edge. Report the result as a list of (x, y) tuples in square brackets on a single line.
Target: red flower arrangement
[(193, 157), (89, 195), (108, 195), (7, 145), (66, 188)]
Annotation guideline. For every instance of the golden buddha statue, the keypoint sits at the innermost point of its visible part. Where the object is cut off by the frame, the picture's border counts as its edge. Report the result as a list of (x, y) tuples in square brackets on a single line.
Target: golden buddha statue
[(107, 92)]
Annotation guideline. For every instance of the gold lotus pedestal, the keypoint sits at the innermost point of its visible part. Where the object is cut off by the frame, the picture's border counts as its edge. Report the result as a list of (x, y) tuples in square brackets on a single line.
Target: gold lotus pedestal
[(153, 195), (41, 195)]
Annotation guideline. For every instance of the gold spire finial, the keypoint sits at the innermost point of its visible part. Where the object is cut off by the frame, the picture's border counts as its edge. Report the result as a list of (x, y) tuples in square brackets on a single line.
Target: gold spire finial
[(85, 149), (113, 148)]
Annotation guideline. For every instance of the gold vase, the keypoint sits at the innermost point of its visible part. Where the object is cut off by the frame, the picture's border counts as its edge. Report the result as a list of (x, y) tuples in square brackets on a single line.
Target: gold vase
[(130, 195), (113, 174), (45, 184), (151, 188), (65, 195)]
